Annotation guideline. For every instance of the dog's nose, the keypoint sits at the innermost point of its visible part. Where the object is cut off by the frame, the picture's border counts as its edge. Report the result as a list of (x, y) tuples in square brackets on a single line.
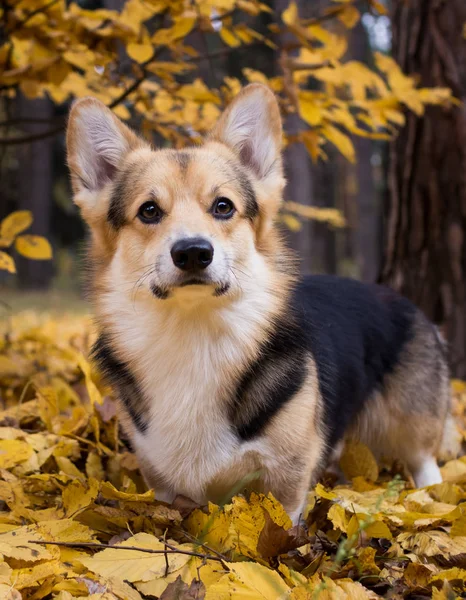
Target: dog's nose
[(192, 254)]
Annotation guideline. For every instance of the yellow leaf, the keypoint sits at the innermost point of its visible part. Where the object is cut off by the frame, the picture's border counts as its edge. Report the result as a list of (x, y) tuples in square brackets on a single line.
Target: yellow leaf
[(94, 395), (21, 544), (322, 492), (122, 111), (83, 59), (311, 140), (454, 471), (140, 52), (450, 575), (379, 7), (459, 527), (7, 592), (94, 467), (309, 109), (34, 246), (66, 466), (337, 515), (432, 543), (64, 530), (7, 263), (291, 222), (290, 15), (29, 576), (378, 529), (458, 386), (13, 452), (212, 528), (78, 496), (250, 581), (110, 492), (181, 27), (349, 16), (341, 141), (229, 37), (14, 224), (358, 461), (134, 565), (198, 91)]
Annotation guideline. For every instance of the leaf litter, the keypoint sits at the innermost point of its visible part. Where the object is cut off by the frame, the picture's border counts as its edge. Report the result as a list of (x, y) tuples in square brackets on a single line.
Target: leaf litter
[(76, 520)]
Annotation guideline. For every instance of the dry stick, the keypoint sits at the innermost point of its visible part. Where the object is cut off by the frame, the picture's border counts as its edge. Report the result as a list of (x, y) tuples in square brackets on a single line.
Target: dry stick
[(148, 550), (205, 546), (167, 564)]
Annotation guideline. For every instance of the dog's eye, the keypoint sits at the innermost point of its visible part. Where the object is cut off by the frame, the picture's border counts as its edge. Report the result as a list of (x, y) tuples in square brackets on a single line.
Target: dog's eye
[(149, 212), (223, 208)]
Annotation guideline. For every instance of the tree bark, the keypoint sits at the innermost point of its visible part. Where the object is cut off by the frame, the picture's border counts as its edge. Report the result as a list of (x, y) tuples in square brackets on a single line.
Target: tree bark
[(425, 245), (365, 226), (35, 189)]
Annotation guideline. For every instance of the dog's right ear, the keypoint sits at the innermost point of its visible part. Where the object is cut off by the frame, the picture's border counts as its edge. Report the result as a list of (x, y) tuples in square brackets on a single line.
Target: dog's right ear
[(97, 144)]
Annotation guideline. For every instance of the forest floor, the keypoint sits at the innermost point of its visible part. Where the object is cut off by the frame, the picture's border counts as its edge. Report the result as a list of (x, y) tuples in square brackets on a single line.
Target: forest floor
[(76, 520)]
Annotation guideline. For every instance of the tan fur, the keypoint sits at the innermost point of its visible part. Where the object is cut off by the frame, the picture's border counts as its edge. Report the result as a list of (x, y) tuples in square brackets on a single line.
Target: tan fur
[(188, 350), (407, 421)]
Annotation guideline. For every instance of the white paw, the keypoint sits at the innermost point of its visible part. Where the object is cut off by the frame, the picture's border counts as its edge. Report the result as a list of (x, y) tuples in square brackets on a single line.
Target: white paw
[(427, 473)]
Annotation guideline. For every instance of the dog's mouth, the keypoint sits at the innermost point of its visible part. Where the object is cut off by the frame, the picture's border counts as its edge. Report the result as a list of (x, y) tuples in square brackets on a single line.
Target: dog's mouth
[(162, 293), (194, 281)]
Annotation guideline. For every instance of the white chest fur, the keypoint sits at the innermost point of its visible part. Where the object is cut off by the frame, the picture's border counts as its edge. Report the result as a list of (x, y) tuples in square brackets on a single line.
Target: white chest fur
[(186, 363)]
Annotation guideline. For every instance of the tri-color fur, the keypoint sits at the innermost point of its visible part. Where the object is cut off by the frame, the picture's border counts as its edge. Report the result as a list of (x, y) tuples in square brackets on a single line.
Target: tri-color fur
[(239, 367)]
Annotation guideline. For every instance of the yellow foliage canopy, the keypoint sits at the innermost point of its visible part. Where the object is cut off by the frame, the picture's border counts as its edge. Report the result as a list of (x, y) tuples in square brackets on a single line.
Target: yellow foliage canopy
[(61, 50)]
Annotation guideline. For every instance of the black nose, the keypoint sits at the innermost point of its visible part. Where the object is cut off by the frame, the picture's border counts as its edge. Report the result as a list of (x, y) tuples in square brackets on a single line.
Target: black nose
[(192, 254)]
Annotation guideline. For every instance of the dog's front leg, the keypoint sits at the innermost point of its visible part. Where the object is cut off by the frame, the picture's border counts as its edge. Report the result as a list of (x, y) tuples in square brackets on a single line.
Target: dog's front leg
[(290, 483), (155, 481)]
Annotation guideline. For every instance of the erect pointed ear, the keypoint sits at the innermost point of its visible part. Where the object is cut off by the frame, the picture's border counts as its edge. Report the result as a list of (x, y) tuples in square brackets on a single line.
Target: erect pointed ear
[(97, 143), (251, 126)]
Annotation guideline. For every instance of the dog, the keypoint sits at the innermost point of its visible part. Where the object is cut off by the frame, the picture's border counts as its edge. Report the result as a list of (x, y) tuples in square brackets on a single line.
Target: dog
[(225, 362)]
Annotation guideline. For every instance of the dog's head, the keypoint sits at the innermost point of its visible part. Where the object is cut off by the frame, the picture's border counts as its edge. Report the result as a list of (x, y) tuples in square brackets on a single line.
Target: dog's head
[(176, 223)]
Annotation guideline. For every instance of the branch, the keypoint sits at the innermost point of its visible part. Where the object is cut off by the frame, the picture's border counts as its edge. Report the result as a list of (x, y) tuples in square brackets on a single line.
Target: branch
[(134, 86), (221, 52), (148, 550), (30, 15), (27, 139), (20, 120)]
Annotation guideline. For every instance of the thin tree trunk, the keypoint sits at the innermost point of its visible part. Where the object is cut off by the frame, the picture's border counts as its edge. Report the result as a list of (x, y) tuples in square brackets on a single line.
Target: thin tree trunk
[(298, 171), (366, 243), (35, 189), (425, 245)]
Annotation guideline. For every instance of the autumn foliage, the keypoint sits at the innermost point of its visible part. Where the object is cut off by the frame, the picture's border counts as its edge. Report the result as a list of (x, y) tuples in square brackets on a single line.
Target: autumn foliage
[(144, 61), (77, 521)]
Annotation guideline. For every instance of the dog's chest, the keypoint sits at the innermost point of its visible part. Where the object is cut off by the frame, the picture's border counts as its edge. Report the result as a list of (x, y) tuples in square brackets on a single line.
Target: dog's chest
[(187, 376)]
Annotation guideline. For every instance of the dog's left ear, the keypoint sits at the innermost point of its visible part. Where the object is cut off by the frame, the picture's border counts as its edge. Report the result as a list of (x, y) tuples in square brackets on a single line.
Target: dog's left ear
[(251, 126)]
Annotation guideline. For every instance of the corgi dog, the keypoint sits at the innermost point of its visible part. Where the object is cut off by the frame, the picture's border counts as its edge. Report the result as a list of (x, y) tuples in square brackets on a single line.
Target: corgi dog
[(227, 366)]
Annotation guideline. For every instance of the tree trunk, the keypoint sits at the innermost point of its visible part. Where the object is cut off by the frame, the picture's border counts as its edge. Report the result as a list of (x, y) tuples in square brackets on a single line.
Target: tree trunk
[(425, 245), (298, 168), (365, 226), (35, 189)]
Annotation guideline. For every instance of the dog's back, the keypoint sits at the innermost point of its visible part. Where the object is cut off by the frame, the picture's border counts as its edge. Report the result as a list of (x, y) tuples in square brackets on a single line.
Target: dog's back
[(381, 365)]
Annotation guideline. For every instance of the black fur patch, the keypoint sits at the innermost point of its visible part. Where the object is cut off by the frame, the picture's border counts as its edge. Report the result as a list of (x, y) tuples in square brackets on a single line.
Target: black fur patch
[(270, 381), (121, 378), (116, 210), (355, 333), (247, 191), (123, 188), (159, 292)]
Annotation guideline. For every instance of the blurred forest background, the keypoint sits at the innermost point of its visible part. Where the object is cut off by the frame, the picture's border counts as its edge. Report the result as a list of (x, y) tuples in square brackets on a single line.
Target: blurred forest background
[(371, 93)]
